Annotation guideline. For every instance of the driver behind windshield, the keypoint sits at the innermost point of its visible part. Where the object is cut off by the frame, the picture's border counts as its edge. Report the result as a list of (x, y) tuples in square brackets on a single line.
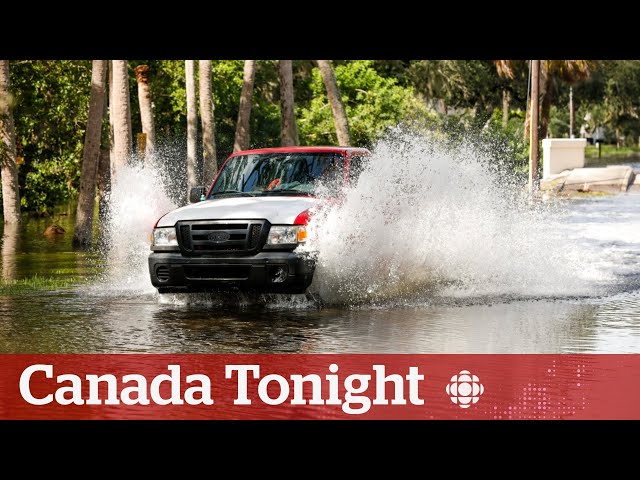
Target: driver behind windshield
[(277, 173)]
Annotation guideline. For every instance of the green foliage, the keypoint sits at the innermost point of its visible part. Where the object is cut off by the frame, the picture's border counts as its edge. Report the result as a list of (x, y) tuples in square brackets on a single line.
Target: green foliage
[(372, 102), (508, 145), (622, 101), (559, 122), (168, 93), (51, 99), (462, 84), (504, 148), (227, 84), (265, 111), (170, 105), (609, 98), (50, 115)]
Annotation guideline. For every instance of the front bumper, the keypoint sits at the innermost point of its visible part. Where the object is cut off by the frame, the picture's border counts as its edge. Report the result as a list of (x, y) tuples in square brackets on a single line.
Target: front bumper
[(268, 272)]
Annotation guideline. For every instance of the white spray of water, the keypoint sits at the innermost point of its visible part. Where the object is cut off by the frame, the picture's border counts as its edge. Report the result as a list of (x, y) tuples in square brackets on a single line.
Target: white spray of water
[(138, 199), (425, 219)]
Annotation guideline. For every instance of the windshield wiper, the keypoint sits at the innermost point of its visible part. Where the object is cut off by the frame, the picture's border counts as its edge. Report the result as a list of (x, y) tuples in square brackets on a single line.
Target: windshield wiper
[(228, 192), (286, 191)]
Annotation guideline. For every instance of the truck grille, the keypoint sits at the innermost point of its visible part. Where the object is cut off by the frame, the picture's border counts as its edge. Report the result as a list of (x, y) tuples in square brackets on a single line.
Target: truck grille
[(217, 272), (199, 237)]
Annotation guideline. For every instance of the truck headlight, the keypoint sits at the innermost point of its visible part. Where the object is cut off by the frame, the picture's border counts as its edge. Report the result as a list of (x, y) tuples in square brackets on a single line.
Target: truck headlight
[(165, 237), (286, 236)]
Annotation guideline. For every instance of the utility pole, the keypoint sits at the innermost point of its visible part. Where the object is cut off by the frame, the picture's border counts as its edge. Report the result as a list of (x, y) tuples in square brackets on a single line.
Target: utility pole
[(533, 130), (571, 113)]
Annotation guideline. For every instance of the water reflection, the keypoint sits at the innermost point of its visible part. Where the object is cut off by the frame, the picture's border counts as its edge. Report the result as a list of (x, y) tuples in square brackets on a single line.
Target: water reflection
[(78, 322)]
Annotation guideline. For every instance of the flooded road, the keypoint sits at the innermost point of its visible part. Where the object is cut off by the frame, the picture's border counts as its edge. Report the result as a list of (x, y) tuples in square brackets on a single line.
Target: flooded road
[(74, 322), (583, 301)]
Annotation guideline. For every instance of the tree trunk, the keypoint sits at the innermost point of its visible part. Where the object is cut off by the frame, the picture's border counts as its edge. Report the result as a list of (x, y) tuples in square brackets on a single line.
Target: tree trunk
[(103, 183), (506, 100), (546, 94), (192, 124), (243, 127), (527, 117), (8, 166), (112, 143), (545, 81), (90, 156), (527, 121), (146, 110), (121, 111), (10, 240), (335, 100), (209, 163), (572, 114), (533, 141), (288, 130), (440, 105)]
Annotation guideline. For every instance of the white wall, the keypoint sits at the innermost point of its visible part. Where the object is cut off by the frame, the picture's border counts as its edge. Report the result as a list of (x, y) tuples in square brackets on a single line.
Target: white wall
[(559, 154)]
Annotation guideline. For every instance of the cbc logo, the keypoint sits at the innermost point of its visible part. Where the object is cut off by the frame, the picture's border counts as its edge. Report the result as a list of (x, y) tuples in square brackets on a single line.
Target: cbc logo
[(465, 389)]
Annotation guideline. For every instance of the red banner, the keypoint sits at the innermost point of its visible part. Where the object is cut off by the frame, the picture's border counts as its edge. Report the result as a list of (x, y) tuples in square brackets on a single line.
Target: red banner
[(320, 386)]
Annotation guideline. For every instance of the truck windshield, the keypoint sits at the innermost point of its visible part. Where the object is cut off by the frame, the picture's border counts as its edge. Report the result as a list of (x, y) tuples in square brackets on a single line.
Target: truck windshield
[(280, 174)]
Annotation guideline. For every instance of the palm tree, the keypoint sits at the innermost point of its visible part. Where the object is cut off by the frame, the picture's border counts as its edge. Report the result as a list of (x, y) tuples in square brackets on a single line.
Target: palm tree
[(146, 110), (8, 166), (289, 130), (120, 111), (192, 124), (243, 134), (505, 70), (340, 119), (551, 73), (210, 166), (90, 155)]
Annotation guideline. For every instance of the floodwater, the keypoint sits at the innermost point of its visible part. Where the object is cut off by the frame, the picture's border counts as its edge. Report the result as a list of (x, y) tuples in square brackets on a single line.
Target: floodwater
[(473, 279)]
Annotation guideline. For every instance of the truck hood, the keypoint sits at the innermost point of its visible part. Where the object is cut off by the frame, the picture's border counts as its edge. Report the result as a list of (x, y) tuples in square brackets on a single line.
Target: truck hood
[(277, 210)]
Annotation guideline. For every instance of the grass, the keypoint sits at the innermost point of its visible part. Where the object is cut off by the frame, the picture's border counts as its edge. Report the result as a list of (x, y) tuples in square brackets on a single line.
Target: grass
[(38, 283), (611, 152)]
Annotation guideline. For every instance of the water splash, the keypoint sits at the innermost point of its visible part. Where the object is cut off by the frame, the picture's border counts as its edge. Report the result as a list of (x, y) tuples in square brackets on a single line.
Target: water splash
[(429, 219), (140, 195), (426, 220)]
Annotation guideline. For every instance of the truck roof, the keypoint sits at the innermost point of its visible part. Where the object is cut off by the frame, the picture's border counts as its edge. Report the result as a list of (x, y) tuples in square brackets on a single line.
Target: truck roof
[(318, 149)]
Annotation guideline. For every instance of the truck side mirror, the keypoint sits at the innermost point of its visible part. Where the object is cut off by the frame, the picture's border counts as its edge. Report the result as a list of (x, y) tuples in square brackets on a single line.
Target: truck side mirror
[(197, 194)]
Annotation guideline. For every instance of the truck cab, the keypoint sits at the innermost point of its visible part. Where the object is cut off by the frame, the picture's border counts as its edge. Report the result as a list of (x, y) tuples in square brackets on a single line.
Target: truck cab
[(244, 230)]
